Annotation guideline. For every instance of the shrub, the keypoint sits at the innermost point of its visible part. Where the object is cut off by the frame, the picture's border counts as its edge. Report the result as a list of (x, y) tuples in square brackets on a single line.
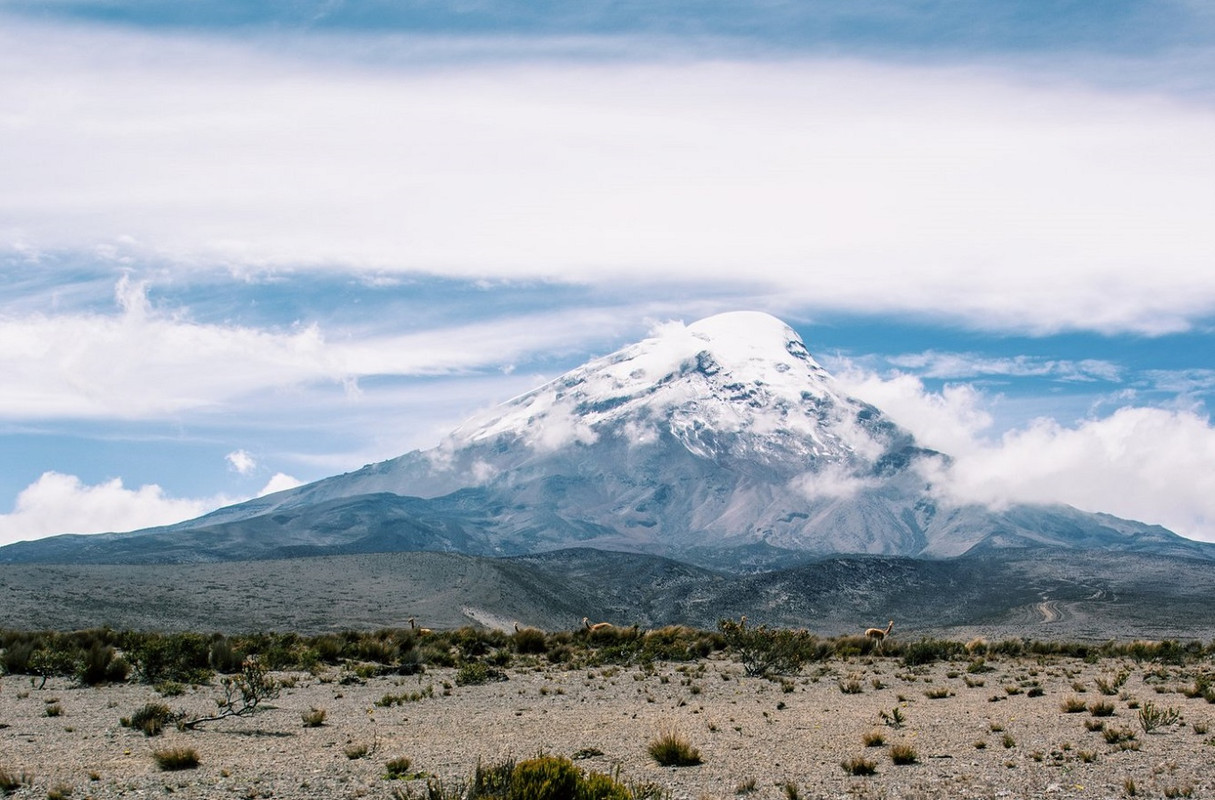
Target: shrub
[(223, 657), (1117, 735), (1101, 708), (545, 778), (672, 750), (100, 664), (903, 754), (397, 768), (253, 685), (541, 778), (150, 719), (939, 693), (765, 651), (859, 766), (530, 640), (873, 739), (1152, 716), (175, 758), (11, 782), (851, 686), (927, 651), (474, 673), (53, 710), (1073, 705), (389, 699), (15, 658), (183, 657), (1110, 686), (597, 786)]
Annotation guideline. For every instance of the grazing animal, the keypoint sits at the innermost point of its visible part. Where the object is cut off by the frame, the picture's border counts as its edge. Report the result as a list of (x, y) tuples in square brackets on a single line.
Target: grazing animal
[(598, 626), (877, 634), (420, 631)]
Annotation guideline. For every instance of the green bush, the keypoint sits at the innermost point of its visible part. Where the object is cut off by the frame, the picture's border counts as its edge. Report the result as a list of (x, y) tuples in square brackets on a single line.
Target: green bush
[(544, 778), (597, 786), (184, 657), (1152, 716), (473, 673), (765, 651)]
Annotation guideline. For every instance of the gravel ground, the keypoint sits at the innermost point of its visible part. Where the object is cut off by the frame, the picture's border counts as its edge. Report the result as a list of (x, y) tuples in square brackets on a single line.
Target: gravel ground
[(989, 737)]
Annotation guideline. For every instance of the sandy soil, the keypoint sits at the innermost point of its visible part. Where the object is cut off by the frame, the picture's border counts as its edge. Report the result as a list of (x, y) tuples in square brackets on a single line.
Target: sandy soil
[(979, 741)]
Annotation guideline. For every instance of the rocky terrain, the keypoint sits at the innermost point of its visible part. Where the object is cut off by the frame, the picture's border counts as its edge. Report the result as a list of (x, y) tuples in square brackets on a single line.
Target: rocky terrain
[(995, 728), (1092, 596)]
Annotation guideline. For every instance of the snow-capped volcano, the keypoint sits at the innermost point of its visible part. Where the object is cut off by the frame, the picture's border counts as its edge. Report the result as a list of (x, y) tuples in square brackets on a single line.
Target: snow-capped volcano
[(737, 385), (721, 443)]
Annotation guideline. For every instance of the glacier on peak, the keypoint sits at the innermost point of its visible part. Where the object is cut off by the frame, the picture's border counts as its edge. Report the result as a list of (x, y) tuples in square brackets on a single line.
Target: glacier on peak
[(735, 384)]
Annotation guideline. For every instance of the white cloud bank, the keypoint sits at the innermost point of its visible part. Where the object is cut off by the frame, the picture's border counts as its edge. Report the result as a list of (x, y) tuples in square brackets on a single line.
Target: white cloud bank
[(145, 363), (58, 503), (964, 193), (1148, 464)]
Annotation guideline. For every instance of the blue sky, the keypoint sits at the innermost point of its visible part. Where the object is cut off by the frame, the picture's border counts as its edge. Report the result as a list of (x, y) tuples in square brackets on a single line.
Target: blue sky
[(249, 244)]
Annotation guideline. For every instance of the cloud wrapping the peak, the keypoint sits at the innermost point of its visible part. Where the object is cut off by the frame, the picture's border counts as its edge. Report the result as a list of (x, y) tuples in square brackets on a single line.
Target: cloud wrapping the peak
[(1147, 464)]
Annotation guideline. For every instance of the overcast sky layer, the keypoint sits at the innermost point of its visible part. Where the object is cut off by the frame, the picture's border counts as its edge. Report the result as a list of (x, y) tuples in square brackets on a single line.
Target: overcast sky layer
[(244, 245)]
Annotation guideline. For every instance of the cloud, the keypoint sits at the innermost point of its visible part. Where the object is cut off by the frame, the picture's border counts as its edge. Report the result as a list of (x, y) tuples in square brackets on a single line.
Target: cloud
[(951, 420), (58, 503), (146, 362), (1006, 205), (280, 482), (934, 364), (833, 483), (1146, 464), (241, 461)]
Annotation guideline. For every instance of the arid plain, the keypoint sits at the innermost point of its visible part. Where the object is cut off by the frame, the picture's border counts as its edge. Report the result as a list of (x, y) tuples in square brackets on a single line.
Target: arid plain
[(979, 726)]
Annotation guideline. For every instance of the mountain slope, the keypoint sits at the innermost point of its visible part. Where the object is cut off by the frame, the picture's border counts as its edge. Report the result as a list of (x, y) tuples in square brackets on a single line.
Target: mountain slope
[(722, 444), (1091, 595)]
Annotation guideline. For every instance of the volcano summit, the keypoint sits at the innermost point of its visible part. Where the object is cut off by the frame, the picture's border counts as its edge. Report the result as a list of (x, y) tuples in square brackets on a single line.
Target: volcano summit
[(721, 444)]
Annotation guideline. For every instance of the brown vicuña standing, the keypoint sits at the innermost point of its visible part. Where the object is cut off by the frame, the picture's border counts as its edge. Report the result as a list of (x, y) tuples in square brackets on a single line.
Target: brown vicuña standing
[(420, 631), (598, 626), (877, 634)]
